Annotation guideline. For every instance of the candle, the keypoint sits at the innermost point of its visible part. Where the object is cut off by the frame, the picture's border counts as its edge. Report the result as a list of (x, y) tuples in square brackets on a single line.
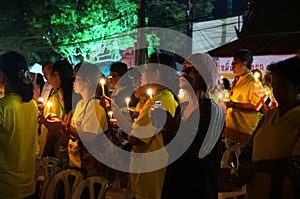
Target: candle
[(127, 100), (150, 92), (102, 82), (181, 95), (49, 104), (232, 165), (41, 100), (110, 114), (256, 75)]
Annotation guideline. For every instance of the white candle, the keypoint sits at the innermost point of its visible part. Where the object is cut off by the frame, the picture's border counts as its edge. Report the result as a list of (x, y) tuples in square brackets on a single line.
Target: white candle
[(127, 100), (110, 114), (102, 82)]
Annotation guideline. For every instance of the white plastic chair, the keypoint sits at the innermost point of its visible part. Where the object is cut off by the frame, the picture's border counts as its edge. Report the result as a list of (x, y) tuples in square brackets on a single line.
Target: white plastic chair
[(45, 169), (92, 185), (65, 181)]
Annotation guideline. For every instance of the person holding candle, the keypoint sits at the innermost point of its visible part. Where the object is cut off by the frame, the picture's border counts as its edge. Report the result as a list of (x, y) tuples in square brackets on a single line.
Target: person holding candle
[(53, 142), (18, 129), (149, 185), (89, 122), (121, 85)]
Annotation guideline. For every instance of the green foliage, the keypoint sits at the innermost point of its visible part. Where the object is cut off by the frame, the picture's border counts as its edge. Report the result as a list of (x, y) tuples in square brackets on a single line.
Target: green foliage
[(202, 9), (167, 14), (172, 14), (75, 28)]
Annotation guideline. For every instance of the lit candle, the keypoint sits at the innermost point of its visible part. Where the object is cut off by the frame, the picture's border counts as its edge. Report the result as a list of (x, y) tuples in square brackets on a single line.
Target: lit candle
[(41, 100), (256, 75), (49, 104), (181, 94), (232, 165), (110, 114), (102, 82), (127, 100), (150, 92)]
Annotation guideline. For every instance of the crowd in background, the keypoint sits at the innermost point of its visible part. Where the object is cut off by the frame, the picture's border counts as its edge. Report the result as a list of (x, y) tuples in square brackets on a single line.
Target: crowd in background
[(73, 112)]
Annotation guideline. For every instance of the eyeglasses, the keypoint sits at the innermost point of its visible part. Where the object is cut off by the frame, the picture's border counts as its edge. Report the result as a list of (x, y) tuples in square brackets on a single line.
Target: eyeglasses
[(187, 71)]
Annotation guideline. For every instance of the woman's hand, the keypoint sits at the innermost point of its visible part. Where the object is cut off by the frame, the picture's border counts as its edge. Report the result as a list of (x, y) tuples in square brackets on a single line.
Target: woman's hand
[(230, 104), (52, 123), (42, 119)]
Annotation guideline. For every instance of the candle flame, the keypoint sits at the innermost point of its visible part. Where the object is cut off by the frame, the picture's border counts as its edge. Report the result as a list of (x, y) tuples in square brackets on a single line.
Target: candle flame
[(102, 81), (41, 99), (110, 113), (150, 91), (49, 104), (256, 75)]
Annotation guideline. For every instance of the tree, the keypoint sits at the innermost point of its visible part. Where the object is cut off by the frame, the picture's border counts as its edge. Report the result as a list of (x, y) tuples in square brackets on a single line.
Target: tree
[(172, 14), (77, 28)]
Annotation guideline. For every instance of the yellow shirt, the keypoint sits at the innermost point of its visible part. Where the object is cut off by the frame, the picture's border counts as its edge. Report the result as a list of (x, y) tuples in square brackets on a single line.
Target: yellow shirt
[(276, 138), (149, 185), (57, 108), (92, 118), (18, 137), (242, 122)]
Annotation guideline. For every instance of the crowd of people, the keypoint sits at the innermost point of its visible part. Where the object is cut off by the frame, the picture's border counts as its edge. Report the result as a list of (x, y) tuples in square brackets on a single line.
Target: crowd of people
[(175, 145)]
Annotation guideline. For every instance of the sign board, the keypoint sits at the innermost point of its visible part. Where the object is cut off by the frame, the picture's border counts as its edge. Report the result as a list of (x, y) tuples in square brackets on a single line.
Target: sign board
[(259, 62)]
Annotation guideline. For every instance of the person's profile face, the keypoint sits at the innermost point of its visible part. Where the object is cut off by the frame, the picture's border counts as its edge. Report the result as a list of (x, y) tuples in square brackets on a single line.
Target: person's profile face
[(187, 75), (113, 78), (148, 74), (46, 72), (238, 66), (79, 84), (284, 91)]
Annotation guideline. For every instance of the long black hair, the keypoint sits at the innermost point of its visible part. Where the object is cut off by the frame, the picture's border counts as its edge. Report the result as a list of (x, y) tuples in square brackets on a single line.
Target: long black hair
[(14, 66), (65, 71)]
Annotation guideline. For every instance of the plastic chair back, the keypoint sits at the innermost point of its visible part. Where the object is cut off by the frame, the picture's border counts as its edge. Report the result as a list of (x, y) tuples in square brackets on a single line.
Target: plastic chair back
[(63, 184), (45, 169), (95, 187)]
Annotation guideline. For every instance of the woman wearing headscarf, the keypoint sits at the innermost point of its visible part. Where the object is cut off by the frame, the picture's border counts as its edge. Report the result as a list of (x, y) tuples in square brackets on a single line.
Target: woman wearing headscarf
[(18, 128)]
